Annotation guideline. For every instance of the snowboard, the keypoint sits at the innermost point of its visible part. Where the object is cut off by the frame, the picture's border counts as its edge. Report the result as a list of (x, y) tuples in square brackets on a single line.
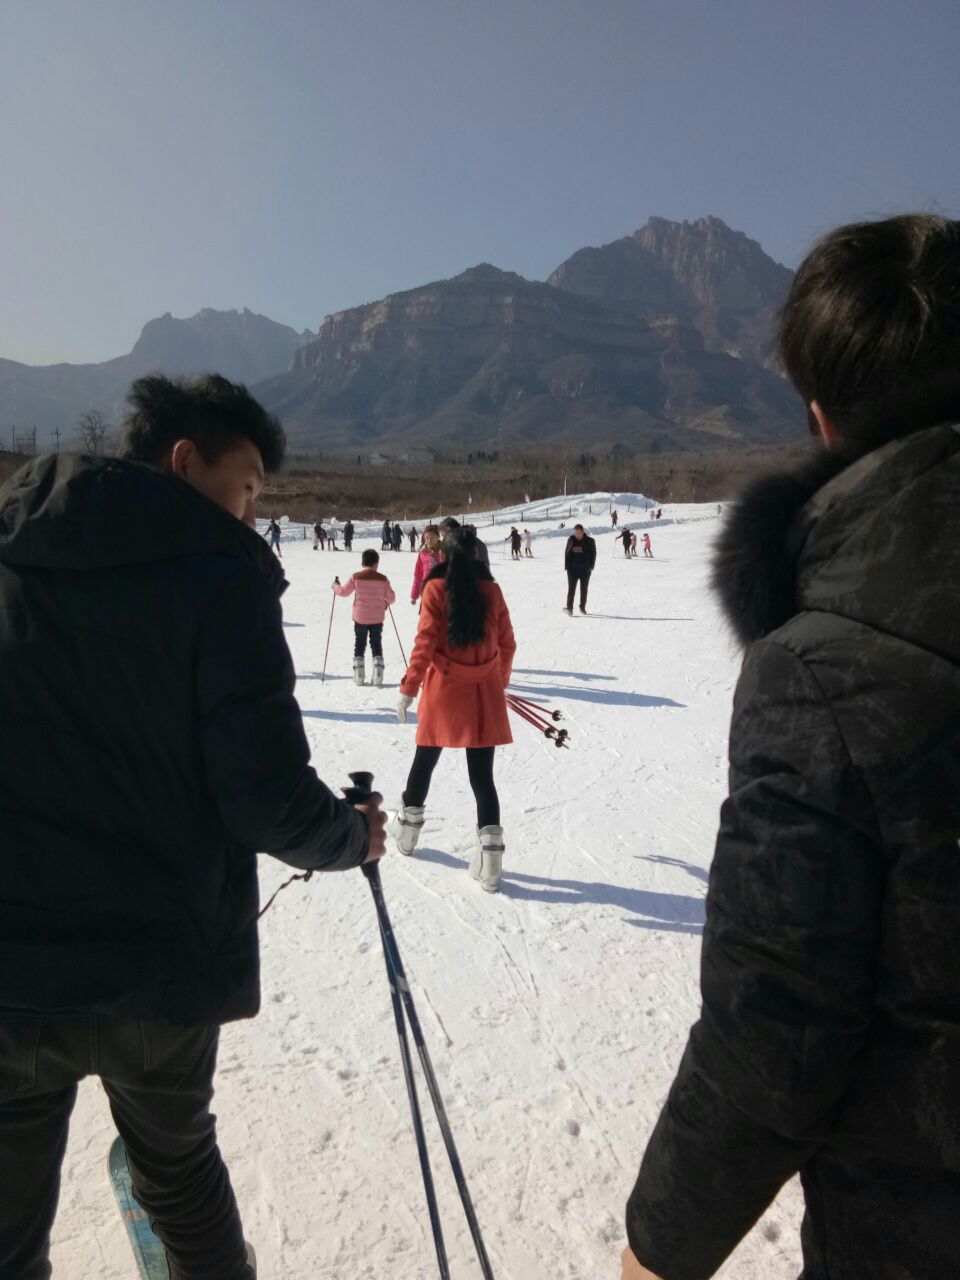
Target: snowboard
[(147, 1249)]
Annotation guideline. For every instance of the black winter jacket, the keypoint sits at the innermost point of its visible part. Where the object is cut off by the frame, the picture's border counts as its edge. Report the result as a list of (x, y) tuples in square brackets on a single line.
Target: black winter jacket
[(150, 744), (580, 555), (829, 1037)]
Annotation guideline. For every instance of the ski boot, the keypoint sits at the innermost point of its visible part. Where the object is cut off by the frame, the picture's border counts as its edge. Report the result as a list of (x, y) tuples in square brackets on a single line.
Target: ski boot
[(359, 671), (488, 859), (405, 827), (378, 673)]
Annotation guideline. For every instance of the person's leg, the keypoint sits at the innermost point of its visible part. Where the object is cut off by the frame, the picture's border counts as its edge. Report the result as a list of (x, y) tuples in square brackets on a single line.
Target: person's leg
[(571, 587), (159, 1080), (376, 639), (480, 769), (421, 771), (359, 639), (584, 587), (38, 1075)]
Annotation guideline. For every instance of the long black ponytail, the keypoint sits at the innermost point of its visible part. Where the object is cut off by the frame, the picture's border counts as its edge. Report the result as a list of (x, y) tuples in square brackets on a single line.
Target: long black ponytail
[(467, 603)]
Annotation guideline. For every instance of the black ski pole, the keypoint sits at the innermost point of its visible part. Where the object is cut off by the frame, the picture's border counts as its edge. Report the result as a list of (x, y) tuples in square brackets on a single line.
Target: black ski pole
[(356, 794), (362, 785)]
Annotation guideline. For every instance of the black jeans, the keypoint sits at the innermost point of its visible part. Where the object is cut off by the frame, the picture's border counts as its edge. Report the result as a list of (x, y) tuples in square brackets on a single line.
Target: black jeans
[(572, 579), (479, 769), (360, 633), (159, 1080)]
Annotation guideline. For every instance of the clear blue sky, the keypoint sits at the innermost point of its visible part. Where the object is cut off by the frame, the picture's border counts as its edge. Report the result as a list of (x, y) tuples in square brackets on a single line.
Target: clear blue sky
[(301, 156)]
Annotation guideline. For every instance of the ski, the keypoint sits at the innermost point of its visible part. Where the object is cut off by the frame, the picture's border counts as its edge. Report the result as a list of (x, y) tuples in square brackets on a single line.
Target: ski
[(147, 1249)]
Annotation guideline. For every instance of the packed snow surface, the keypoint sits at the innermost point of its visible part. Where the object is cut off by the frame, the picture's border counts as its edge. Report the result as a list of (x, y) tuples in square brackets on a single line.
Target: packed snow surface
[(555, 1012)]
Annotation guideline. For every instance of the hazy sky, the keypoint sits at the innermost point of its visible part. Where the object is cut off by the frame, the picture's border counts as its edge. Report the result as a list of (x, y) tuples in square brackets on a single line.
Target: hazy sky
[(301, 156)]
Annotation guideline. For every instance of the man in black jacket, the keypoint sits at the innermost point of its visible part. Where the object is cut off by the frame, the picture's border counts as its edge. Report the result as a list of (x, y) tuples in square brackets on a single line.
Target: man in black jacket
[(829, 1037), (578, 560), (151, 744)]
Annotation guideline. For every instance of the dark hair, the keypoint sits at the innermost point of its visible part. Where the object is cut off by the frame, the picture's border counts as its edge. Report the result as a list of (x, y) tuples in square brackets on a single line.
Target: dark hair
[(369, 558), (467, 616), (212, 412), (871, 327), (449, 523), (579, 526)]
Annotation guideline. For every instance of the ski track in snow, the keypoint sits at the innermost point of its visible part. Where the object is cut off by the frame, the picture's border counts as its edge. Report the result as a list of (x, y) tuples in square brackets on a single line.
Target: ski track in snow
[(555, 1012)]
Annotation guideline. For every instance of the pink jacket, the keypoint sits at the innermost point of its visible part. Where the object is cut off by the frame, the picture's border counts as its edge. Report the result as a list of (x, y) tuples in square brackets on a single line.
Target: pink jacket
[(425, 562), (374, 593)]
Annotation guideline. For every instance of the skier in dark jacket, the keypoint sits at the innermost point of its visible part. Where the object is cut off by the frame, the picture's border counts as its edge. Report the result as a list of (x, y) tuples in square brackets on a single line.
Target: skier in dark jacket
[(397, 537), (151, 744), (625, 537), (386, 536), (829, 1037), (348, 535), (578, 560)]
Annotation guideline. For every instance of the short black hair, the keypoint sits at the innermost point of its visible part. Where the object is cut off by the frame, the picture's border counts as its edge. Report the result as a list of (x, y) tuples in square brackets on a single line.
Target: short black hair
[(871, 327), (369, 558), (448, 522), (209, 410)]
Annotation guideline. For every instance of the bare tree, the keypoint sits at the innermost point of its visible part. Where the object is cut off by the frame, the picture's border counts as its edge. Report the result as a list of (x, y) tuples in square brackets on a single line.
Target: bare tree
[(92, 431)]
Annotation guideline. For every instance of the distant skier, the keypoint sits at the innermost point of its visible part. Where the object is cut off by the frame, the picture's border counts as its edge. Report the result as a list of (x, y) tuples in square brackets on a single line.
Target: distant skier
[(373, 596), (386, 537), (633, 543), (647, 549), (348, 535), (659, 512), (579, 558), (273, 532), (332, 538), (412, 535), (516, 542), (319, 537), (138, 784), (428, 558), (527, 544), (624, 535), (462, 658), (614, 518)]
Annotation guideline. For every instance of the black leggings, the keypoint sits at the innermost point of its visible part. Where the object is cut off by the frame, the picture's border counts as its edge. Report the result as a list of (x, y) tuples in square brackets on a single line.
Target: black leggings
[(480, 769)]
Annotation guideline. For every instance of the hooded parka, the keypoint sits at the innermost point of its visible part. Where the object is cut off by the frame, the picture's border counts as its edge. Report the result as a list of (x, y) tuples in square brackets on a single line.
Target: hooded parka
[(150, 745), (829, 1037)]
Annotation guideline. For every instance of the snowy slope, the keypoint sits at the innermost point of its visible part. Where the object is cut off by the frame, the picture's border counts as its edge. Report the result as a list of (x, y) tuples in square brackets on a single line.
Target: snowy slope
[(556, 1012)]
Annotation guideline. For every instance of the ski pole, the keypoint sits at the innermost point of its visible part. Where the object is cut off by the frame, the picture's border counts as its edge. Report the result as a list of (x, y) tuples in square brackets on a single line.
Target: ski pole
[(362, 786), (554, 715), (323, 675), (397, 634), (559, 736)]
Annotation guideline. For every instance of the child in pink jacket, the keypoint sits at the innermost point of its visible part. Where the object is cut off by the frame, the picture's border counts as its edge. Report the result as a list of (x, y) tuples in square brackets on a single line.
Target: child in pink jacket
[(429, 556), (374, 595)]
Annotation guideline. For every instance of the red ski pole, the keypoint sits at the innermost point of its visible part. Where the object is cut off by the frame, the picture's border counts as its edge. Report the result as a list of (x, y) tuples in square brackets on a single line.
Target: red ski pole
[(323, 675)]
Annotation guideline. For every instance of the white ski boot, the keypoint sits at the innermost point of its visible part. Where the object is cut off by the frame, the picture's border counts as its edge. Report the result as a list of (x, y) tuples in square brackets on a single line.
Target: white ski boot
[(359, 671), (378, 673), (405, 827), (488, 860)]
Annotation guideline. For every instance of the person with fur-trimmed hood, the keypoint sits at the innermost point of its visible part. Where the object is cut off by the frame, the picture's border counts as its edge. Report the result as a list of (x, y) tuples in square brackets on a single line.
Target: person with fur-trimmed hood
[(829, 1038), (461, 660), (373, 595)]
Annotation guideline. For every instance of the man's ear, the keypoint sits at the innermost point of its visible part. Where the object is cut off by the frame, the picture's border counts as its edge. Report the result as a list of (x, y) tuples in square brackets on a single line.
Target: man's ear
[(825, 429), (181, 456)]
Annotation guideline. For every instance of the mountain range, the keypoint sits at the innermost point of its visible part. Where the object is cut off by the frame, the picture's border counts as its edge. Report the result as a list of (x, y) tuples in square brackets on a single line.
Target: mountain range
[(661, 340)]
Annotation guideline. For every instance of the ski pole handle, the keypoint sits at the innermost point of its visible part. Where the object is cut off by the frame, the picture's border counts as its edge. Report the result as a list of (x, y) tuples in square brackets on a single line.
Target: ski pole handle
[(361, 789)]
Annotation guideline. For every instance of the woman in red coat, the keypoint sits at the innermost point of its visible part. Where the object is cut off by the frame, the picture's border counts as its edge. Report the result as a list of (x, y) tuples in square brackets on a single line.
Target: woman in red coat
[(462, 657)]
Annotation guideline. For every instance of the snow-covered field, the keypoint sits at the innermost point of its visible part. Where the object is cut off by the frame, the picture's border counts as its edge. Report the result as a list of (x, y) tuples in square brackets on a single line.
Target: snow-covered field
[(555, 1012)]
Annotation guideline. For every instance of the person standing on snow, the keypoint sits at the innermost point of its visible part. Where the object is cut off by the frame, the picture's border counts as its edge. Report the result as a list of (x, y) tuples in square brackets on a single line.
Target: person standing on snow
[(412, 535), (273, 533), (579, 558), (397, 537), (527, 544), (462, 658), (386, 538), (427, 560), (146, 758), (829, 1038), (633, 543), (348, 536), (319, 537), (624, 535), (513, 537), (374, 595), (614, 518), (647, 548)]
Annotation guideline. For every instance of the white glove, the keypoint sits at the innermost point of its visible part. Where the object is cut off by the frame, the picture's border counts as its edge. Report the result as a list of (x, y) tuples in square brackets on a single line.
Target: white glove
[(403, 705)]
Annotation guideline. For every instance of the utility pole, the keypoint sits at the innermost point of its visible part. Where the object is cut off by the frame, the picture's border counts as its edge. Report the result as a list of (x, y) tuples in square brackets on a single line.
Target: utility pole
[(57, 435)]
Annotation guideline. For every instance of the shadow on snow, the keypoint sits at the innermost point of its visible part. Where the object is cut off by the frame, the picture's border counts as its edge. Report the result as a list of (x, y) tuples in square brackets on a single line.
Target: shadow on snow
[(607, 696)]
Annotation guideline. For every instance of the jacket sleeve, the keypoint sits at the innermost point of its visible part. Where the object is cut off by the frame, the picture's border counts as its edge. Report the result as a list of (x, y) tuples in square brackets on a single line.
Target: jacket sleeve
[(566, 555), (346, 588), (591, 555), (417, 578), (430, 637), (787, 977), (254, 750), (389, 595), (506, 642)]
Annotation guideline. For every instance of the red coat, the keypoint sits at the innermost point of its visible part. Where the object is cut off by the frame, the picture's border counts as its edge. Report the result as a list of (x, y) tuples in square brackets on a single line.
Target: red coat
[(463, 703)]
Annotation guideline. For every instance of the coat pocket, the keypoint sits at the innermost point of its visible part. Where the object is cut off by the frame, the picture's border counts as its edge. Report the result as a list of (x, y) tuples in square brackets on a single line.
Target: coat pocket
[(19, 1048)]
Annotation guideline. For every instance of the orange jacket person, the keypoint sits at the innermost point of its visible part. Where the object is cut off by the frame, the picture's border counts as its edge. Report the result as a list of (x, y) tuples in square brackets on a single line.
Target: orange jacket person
[(462, 656)]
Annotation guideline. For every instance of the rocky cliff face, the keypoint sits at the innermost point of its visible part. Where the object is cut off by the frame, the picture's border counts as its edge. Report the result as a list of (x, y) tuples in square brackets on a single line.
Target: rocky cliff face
[(241, 345), (706, 274), (489, 358)]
